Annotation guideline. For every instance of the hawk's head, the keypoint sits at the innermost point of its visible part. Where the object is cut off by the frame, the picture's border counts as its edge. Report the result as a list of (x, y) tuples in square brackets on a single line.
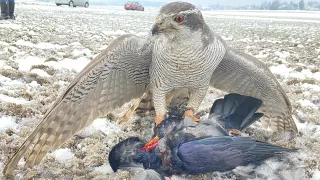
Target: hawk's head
[(178, 17)]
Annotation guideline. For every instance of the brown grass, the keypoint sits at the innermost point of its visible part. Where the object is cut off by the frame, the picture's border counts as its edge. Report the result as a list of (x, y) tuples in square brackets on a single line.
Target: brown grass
[(51, 71), (17, 110), (51, 59)]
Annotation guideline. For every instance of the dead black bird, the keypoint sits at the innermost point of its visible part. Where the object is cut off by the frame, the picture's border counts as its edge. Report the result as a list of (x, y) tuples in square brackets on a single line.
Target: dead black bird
[(181, 146)]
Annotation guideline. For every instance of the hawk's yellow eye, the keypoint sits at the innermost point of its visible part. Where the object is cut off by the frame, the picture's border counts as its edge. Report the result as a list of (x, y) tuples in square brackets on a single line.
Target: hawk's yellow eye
[(179, 19)]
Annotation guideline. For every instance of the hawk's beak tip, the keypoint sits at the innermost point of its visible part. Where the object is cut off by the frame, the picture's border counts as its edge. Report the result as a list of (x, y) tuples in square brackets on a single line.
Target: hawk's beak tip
[(155, 29)]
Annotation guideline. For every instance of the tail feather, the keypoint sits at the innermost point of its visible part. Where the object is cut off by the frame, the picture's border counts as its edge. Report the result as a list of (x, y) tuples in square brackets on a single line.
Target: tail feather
[(236, 111), (232, 103), (251, 120), (244, 111), (217, 107), (264, 150)]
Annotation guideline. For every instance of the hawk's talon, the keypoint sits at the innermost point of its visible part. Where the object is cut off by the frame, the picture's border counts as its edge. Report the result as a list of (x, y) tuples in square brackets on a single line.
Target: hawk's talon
[(159, 119), (190, 113)]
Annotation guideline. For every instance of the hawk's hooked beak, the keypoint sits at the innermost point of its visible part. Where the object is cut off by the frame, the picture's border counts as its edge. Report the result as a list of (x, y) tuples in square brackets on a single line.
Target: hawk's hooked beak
[(157, 26), (155, 29)]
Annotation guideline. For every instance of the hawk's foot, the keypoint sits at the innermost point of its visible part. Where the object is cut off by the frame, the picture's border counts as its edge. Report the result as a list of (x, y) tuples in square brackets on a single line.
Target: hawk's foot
[(158, 119), (190, 113)]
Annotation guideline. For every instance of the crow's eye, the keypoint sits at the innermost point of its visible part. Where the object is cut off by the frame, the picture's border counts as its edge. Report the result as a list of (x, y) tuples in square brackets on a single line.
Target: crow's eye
[(179, 19)]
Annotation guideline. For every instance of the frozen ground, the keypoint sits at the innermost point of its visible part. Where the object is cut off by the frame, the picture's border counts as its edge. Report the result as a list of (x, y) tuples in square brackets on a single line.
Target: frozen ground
[(46, 46)]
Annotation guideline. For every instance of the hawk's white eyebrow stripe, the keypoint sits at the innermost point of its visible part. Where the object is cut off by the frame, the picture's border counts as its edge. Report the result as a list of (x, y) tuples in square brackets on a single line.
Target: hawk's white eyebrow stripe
[(190, 11)]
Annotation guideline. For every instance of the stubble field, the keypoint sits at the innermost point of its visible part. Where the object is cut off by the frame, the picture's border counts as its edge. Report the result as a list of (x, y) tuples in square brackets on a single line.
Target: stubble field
[(43, 50)]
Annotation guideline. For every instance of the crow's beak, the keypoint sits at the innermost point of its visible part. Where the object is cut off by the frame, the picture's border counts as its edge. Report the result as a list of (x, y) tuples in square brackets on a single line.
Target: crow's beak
[(151, 144), (155, 29)]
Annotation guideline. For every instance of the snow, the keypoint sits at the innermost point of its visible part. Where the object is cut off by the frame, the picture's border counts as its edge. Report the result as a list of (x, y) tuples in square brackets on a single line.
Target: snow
[(317, 76), (78, 64), (5, 98), (26, 63), (283, 70), (282, 54), (311, 87), (79, 53), (8, 123), (63, 155), (3, 43), (105, 169), (288, 72), (316, 175), (49, 46), (300, 46), (105, 126), (11, 26), (40, 45), (4, 79), (42, 41), (71, 64), (40, 72), (118, 32), (22, 42), (307, 103)]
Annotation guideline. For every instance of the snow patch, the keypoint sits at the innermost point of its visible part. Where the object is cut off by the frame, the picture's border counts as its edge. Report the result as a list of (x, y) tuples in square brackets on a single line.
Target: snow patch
[(43, 45), (311, 87), (316, 175), (78, 53), (176, 177), (105, 169), (287, 72), (9, 99), (282, 70), (106, 126), (34, 84), (307, 103), (21, 42), (261, 55), (8, 122), (25, 64), (316, 76), (282, 54), (11, 26), (63, 155), (103, 125), (40, 72), (3, 43), (72, 64), (7, 82), (76, 44), (13, 49), (4, 79), (118, 32)]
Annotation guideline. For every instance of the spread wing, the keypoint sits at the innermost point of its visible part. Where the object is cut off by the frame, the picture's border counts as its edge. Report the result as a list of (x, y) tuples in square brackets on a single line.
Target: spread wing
[(119, 74), (244, 74)]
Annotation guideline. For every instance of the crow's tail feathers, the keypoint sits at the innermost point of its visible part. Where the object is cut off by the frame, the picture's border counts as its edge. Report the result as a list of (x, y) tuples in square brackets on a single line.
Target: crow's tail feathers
[(236, 111)]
